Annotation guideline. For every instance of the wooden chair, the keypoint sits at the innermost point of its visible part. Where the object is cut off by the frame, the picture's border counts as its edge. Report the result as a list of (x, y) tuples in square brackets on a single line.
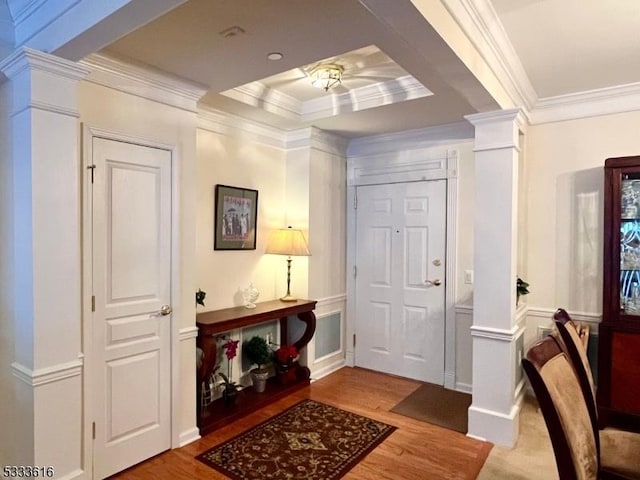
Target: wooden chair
[(569, 424), (576, 349)]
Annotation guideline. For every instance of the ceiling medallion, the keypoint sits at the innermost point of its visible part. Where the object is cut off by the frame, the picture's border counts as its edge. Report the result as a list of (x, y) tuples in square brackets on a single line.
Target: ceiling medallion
[(326, 76)]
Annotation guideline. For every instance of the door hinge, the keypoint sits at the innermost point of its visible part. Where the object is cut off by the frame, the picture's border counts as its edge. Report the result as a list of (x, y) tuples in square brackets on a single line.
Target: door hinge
[(354, 339), (93, 303), (93, 430), (355, 271), (355, 200), (92, 168)]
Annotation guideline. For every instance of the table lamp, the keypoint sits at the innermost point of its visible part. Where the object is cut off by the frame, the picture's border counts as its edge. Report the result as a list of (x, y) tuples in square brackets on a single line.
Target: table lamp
[(291, 242)]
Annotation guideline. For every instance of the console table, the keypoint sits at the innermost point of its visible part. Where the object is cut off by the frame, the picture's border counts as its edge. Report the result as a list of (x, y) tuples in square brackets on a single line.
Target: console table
[(212, 324)]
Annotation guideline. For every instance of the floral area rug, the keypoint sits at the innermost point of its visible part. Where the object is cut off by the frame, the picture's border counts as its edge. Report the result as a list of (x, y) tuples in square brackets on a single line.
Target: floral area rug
[(310, 441)]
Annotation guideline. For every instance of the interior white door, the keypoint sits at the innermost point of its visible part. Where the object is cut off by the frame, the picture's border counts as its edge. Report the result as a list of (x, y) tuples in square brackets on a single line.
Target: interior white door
[(131, 245), (400, 282)]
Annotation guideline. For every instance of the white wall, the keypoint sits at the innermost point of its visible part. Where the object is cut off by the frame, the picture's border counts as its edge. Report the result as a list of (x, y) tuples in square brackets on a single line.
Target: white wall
[(238, 162), (119, 112), (464, 223), (565, 163)]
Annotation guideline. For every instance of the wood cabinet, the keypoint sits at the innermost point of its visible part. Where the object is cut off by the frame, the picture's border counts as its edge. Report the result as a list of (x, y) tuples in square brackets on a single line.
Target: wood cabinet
[(215, 323), (619, 335)]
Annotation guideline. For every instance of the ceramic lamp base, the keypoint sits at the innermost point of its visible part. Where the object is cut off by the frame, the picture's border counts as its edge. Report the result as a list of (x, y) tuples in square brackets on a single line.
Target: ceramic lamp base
[(288, 298)]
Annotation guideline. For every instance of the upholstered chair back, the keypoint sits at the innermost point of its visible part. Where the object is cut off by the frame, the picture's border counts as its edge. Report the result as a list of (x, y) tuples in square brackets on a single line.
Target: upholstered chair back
[(564, 409)]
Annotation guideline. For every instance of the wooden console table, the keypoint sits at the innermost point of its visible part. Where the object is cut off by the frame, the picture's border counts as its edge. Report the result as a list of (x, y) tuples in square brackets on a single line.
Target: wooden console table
[(212, 324)]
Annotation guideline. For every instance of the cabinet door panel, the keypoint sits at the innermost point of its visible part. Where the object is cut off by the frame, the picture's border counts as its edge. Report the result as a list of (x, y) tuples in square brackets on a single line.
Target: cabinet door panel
[(625, 369)]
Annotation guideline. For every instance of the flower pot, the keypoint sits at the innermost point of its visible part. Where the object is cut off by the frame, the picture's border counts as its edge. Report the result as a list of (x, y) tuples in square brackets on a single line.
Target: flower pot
[(230, 394), (259, 379)]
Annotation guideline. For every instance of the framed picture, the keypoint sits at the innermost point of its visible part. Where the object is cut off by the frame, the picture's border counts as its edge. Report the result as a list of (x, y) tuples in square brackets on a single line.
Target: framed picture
[(235, 218)]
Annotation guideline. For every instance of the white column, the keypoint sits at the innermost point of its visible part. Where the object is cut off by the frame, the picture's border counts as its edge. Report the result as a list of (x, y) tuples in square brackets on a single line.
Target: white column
[(47, 276), (495, 408)]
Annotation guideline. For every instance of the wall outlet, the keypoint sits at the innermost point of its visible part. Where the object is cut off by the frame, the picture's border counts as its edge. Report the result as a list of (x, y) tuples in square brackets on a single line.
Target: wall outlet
[(468, 277)]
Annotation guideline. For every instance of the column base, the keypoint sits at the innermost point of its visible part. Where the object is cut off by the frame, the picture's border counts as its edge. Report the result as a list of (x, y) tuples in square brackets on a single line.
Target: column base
[(495, 427)]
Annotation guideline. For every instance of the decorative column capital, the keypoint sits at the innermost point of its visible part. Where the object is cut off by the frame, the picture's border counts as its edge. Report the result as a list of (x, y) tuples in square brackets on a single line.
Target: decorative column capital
[(498, 129), (43, 81), (27, 58)]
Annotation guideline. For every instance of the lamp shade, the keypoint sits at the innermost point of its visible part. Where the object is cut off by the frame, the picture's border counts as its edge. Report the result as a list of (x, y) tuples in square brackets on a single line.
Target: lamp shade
[(287, 241)]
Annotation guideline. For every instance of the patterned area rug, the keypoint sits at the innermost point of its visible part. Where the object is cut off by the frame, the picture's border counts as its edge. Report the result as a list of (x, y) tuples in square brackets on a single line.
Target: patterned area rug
[(310, 441)]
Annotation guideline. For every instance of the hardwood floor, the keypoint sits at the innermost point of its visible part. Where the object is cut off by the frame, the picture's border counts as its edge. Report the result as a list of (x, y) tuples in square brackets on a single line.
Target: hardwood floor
[(415, 451)]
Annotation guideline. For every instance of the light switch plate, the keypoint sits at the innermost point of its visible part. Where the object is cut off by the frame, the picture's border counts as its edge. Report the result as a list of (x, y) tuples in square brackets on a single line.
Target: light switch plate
[(468, 276)]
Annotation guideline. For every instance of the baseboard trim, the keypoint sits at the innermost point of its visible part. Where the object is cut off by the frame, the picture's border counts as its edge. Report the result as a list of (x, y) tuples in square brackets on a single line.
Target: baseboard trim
[(450, 380), (496, 427), (323, 372), (75, 475), (464, 387), (188, 436), (350, 359)]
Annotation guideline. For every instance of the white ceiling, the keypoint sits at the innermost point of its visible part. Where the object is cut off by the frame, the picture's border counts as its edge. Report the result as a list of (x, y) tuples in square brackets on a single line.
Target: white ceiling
[(389, 84), (569, 46)]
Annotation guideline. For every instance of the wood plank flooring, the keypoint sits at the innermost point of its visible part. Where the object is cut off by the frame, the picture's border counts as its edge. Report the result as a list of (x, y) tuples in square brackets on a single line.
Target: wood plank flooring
[(415, 451)]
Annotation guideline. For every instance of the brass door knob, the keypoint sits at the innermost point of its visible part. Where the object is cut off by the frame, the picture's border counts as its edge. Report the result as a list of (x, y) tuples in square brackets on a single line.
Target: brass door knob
[(433, 283), (166, 310)]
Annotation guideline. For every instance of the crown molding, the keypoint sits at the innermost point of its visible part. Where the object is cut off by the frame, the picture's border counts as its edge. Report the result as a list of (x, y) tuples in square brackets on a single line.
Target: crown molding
[(480, 22), (312, 137), (258, 95), (143, 82), (591, 103), (369, 96), (223, 123), (411, 139)]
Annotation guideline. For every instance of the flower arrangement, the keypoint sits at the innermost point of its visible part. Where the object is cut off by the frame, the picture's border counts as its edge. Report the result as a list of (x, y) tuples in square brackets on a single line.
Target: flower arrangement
[(286, 354), (230, 387), (285, 357)]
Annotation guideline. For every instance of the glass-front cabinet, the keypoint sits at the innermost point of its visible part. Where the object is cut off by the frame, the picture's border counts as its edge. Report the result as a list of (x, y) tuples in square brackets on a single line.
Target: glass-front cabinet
[(619, 333)]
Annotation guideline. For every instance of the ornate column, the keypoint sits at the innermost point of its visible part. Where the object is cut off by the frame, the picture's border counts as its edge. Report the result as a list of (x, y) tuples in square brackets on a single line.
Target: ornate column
[(47, 298), (497, 336)]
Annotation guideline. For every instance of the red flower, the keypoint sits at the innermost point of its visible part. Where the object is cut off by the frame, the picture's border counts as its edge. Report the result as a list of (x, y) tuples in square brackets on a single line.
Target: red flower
[(286, 353), (231, 348)]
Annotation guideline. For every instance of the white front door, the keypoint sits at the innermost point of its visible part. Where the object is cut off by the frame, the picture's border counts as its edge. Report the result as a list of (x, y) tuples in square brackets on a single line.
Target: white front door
[(400, 282), (130, 351)]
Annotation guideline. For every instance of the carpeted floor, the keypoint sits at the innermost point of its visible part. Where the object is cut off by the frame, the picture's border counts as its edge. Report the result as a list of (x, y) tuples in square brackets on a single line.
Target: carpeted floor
[(310, 441), (435, 404), (532, 456)]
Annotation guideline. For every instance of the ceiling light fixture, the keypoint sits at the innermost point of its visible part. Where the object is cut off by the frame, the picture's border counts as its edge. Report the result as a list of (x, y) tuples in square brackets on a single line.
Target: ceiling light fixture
[(326, 76)]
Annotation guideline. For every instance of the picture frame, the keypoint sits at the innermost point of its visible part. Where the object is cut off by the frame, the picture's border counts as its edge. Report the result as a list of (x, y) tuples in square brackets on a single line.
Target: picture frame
[(236, 218)]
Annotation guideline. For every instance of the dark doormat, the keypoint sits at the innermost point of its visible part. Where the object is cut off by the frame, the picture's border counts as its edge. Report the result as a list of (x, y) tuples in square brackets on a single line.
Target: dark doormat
[(435, 404), (310, 441)]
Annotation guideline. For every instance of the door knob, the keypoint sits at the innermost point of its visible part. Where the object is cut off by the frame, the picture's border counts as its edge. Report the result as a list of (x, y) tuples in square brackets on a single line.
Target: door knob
[(166, 310), (435, 282)]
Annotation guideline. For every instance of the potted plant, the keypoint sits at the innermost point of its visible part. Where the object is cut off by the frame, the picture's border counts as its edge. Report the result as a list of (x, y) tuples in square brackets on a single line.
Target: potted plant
[(522, 288), (285, 357), (258, 353), (230, 391)]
